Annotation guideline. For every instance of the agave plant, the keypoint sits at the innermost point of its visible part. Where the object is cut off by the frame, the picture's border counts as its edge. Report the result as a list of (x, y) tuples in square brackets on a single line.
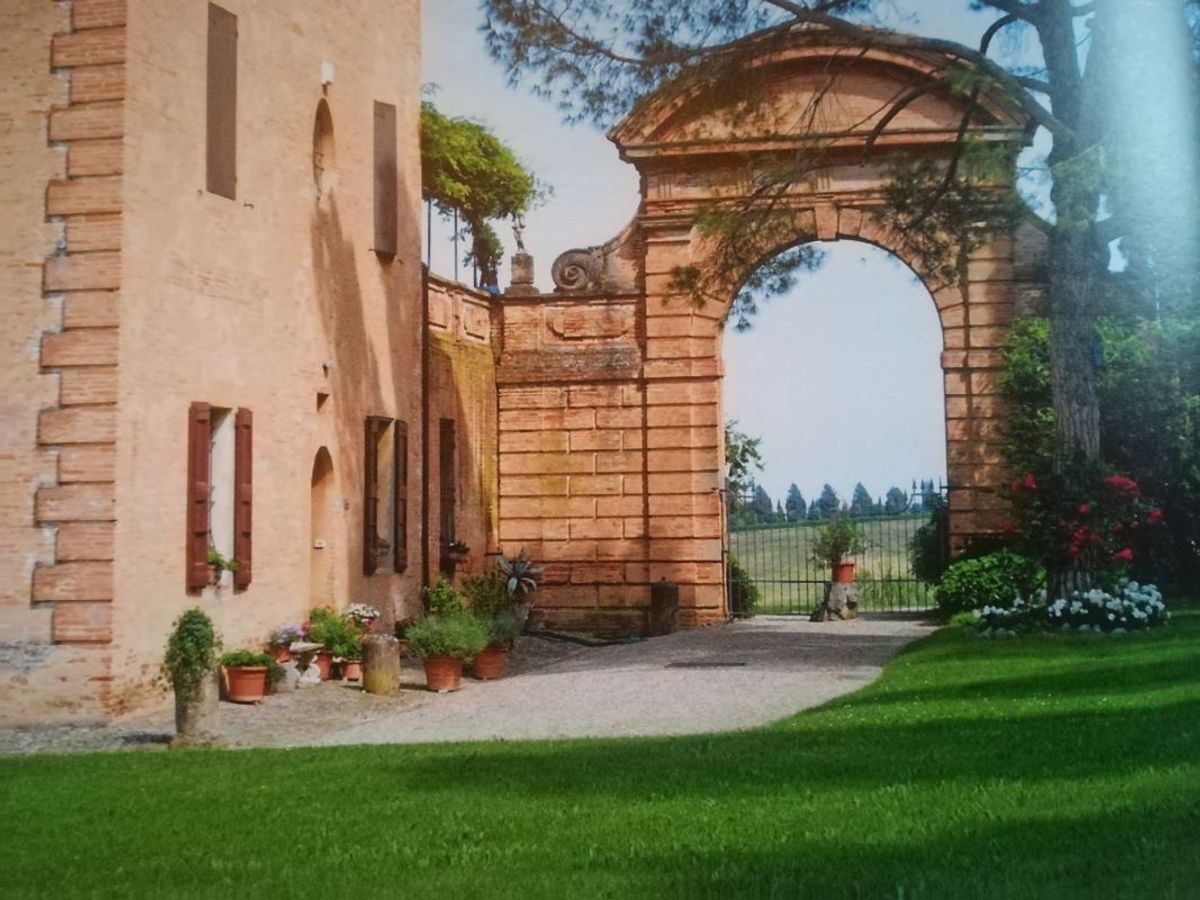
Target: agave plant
[(522, 573)]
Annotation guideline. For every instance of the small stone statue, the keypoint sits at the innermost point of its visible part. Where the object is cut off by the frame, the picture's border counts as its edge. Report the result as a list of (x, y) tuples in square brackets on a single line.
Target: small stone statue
[(519, 231)]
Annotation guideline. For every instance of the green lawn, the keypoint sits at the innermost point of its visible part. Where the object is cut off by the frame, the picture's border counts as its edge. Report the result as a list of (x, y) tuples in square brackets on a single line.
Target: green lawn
[(1048, 767)]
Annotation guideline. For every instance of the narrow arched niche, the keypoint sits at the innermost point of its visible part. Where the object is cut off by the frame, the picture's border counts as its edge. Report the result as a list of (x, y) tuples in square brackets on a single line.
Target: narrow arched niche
[(323, 152)]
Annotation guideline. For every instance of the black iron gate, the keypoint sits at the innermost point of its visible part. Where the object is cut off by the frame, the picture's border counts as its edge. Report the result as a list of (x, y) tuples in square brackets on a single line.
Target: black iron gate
[(771, 570)]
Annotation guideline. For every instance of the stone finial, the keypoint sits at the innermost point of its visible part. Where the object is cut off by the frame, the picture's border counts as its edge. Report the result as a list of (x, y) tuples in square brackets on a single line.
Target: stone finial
[(522, 274)]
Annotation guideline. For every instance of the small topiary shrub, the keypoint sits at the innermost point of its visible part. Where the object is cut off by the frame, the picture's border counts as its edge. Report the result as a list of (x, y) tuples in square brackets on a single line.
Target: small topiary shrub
[(995, 580), (191, 652), (744, 594), (460, 635), (246, 658), (441, 599)]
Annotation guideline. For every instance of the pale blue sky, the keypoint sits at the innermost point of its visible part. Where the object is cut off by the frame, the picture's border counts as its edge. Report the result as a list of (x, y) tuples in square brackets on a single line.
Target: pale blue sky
[(841, 378)]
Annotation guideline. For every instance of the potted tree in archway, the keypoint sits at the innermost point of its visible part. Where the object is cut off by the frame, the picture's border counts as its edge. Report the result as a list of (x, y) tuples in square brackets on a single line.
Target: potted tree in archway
[(837, 540)]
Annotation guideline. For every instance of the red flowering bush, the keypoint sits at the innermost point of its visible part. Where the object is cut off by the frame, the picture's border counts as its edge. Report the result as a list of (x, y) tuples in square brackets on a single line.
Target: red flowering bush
[(1097, 527)]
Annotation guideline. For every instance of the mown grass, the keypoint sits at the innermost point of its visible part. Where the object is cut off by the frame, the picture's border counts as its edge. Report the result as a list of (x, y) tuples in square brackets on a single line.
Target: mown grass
[(1054, 766)]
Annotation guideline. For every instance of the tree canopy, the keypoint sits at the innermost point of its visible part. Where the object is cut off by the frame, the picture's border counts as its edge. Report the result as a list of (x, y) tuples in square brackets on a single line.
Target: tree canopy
[(465, 168)]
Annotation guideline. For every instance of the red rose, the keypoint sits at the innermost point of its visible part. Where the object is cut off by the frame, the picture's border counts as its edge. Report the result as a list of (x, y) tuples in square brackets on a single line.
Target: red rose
[(1125, 555), (1084, 509), (1030, 482), (1156, 515)]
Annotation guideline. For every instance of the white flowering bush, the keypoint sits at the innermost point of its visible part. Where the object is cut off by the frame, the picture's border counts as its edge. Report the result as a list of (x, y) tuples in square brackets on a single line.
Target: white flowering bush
[(1133, 607), (1008, 621)]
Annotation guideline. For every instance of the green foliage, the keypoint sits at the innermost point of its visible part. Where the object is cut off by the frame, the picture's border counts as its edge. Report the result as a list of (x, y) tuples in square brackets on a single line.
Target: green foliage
[(522, 573), (487, 594), (837, 538), (459, 635), (861, 503), (744, 594), (794, 505), (998, 579), (464, 167), (1099, 732), (441, 599), (743, 457), (335, 631), (191, 651), (929, 551), (219, 562), (503, 627), (1149, 390), (246, 657)]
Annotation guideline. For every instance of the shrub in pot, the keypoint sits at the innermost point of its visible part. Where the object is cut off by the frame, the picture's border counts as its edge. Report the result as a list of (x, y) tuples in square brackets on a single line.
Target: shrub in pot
[(333, 630), (247, 672), (522, 575), (837, 539), (503, 628), (189, 665), (348, 648), (443, 642)]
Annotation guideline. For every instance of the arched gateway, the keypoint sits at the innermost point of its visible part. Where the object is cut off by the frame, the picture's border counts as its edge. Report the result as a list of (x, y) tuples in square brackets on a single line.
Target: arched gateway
[(610, 389)]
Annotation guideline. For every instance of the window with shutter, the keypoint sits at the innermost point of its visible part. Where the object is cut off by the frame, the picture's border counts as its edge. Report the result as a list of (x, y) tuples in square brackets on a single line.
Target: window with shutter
[(198, 488), (386, 179), (221, 112), (370, 503), (243, 468), (400, 560)]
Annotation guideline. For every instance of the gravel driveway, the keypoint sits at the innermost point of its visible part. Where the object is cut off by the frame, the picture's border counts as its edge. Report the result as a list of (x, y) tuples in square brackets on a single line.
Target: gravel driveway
[(721, 678)]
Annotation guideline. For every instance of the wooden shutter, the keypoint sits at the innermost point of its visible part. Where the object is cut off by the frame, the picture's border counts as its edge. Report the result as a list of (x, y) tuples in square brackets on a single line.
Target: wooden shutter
[(221, 121), (386, 179), (243, 496), (446, 479), (400, 554), (198, 490), (370, 500)]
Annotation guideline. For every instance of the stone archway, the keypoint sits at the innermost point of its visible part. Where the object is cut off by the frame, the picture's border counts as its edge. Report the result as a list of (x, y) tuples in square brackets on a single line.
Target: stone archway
[(609, 389)]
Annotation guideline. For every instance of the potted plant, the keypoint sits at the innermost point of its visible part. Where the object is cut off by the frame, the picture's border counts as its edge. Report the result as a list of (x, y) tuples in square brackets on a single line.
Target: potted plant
[(217, 563), (332, 629), (837, 539), (364, 615), (280, 640), (347, 649), (522, 576), (503, 628), (246, 672), (189, 665), (443, 642)]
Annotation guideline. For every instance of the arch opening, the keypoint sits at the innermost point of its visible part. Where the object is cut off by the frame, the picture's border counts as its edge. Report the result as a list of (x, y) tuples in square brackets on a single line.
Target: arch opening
[(321, 531)]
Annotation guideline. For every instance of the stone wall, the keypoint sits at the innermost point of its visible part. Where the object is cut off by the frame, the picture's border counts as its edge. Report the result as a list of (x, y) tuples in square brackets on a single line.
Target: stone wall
[(462, 389)]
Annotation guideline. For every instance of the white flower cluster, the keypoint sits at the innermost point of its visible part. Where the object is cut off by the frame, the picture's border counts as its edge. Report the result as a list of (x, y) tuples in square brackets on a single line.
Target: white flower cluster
[(1135, 606), (360, 611)]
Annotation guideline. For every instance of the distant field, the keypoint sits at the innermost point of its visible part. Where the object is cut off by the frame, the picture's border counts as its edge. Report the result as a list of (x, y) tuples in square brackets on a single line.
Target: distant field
[(778, 556)]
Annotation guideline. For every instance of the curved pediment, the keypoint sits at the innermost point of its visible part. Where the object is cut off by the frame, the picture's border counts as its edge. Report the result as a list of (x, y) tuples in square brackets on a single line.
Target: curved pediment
[(810, 85)]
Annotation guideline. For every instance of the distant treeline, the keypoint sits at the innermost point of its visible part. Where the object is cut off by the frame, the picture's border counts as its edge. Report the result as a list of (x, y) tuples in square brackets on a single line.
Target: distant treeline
[(755, 506)]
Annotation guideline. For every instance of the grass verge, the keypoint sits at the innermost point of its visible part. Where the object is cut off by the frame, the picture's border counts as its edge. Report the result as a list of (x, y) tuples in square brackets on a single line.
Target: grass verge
[(1047, 766)]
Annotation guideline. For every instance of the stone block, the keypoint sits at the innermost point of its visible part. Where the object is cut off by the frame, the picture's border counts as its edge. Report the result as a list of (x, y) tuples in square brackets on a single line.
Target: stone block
[(78, 386), (77, 196), (76, 503), (90, 84), (78, 425), (88, 122), (595, 485), (83, 272), (80, 347), (91, 309), (85, 541), (89, 233), (97, 14), (95, 157), (73, 581), (82, 623), (87, 463)]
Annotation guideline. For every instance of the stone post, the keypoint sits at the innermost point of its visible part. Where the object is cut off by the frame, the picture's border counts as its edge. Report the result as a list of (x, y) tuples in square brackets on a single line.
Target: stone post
[(195, 717), (381, 664), (522, 274)]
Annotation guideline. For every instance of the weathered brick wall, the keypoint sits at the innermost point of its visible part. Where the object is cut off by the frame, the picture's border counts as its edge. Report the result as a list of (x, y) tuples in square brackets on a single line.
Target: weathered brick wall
[(61, 89), (462, 387)]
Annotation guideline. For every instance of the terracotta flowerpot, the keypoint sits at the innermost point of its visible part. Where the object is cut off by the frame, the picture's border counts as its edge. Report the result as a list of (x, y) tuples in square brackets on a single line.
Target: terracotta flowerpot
[(324, 664), (843, 572), (490, 663), (443, 673), (351, 670), (247, 684), (281, 652)]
